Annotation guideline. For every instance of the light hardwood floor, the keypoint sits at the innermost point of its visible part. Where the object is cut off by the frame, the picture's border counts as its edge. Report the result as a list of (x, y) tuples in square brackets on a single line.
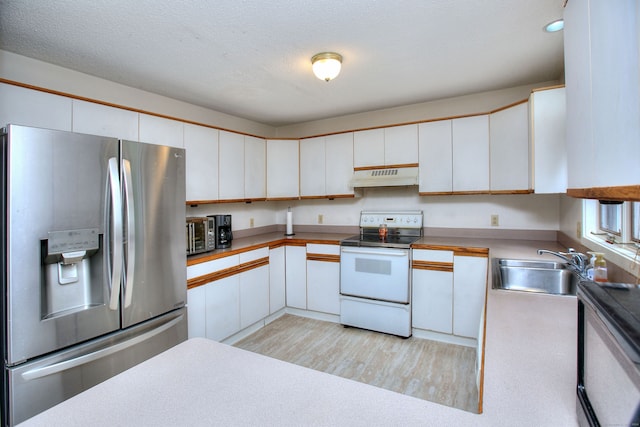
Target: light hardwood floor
[(430, 370)]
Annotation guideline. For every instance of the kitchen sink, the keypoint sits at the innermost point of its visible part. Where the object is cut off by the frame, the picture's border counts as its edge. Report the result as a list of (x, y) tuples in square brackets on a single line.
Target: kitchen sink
[(540, 276)]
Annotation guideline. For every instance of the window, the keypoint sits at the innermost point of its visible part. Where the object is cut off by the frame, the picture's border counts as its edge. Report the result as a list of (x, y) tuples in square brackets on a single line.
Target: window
[(635, 222), (610, 218)]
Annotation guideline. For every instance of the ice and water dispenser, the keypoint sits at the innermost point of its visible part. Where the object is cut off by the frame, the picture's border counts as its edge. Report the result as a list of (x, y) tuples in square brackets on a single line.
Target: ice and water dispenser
[(71, 271)]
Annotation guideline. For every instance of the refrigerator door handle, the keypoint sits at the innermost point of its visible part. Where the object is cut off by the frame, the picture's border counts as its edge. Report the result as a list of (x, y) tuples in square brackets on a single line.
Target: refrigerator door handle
[(88, 358), (116, 232), (131, 234)]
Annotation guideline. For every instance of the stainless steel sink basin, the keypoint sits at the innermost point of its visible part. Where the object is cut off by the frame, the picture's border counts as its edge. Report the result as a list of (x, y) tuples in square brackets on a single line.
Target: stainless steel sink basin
[(541, 276)]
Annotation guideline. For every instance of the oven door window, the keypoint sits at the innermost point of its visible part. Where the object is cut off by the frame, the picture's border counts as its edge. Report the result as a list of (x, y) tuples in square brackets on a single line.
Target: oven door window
[(376, 273)]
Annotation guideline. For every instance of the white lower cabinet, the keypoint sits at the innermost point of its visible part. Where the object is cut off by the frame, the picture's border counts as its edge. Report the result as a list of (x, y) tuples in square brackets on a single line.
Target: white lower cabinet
[(254, 288), (225, 306), (469, 292), (323, 278), (432, 307), (222, 308), (276, 279), (296, 276), (448, 292)]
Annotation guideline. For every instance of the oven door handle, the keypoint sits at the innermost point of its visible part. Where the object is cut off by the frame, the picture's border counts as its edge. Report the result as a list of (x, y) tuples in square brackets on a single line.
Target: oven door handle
[(397, 252)]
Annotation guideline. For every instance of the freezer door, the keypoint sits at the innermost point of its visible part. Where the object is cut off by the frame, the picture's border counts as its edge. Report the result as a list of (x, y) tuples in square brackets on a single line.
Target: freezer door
[(155, 253), (43, 383), (56, 282)]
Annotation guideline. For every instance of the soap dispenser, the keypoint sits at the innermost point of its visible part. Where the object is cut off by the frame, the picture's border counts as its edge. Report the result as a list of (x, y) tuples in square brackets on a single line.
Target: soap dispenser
[(599, 268)]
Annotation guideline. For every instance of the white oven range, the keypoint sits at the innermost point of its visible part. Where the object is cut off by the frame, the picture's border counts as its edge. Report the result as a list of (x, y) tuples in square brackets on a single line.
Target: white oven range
[(375, 266)]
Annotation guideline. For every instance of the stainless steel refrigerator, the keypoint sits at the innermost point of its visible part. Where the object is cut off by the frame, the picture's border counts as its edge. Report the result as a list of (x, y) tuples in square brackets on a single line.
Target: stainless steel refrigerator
[(93, 261)]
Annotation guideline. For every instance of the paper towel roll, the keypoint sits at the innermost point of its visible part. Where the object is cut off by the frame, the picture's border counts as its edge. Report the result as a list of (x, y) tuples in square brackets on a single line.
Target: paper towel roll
[(289, 223)]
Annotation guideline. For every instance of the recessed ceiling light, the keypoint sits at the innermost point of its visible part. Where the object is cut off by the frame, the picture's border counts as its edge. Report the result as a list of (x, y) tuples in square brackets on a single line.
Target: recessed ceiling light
[(554, 26)]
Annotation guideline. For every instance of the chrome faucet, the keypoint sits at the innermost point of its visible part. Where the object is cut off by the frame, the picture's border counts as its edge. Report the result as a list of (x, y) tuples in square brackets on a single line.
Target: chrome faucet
[(577, 261)]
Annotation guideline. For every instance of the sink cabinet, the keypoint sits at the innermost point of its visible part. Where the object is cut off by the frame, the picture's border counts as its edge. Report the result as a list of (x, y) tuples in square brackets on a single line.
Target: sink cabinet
[(449, 292)]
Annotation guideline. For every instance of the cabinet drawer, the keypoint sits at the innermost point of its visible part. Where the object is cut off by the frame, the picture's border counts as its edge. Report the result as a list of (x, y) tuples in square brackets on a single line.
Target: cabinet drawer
[(432, 255), (254, 255), (212, 266), (314, 248)]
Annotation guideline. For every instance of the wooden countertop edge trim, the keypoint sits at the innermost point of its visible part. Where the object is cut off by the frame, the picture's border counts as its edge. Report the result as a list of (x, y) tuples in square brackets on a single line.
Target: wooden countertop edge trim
[(398, 166), (221, 274), (457, 250), (323, 257), (433, 266)]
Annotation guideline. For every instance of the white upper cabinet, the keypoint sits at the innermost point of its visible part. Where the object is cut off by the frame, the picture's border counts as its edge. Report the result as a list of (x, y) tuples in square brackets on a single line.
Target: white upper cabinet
[(510, 149), (231, 166), (282, 169), (27, 107), (201, 144), (161, 131), (436, 157), (397, 145), (326, 165), (103, 120), (368, 148), (471, 154), (401, 145), (255, 168), (603, 113), (547, 121), (339, 164), (312, 167)]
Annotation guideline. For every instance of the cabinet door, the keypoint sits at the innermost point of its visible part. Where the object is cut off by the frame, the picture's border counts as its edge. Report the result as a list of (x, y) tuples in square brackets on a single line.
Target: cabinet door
[(435, 157), (254, 295), (469, 291), (255, 168), (296, 276), (432, 300), (282, 169), (548, 135), (27, 107), (161, 131), (368, 148), (401, 145), (276, 279), (196, 312), (509, 146), (471, 154), (338, 164), (323, 278), (231, 166), (432, 306), (615, 89), (223, 308), (201, 144), (312, 167), (103, 120), (577, 59)]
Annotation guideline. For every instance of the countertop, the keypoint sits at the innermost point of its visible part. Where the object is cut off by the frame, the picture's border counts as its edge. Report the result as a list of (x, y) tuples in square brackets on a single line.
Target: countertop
[(530, 377)]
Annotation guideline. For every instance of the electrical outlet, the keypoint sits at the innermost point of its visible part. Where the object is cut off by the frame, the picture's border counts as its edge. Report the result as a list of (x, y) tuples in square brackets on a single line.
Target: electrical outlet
[(320, 218), (495, 220), (251, 222)]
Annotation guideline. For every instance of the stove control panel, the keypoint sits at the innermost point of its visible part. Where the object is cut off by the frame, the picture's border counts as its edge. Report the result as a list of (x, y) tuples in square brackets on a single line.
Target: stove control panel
[(411, 219)]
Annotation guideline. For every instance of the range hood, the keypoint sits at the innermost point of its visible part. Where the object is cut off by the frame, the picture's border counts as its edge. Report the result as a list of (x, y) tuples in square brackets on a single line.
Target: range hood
[(385, 177)]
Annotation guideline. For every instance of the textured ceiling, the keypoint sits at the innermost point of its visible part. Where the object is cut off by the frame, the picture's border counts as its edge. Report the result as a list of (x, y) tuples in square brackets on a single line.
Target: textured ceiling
[(251, 58)]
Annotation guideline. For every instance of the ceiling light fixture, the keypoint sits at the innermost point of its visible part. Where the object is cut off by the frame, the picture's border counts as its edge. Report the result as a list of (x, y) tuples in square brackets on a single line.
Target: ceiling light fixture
[(554, 26), (326, 65)]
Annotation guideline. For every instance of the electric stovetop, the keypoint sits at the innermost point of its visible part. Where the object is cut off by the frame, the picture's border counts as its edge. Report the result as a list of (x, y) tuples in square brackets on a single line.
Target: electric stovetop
[(373, 240), (620, 305)]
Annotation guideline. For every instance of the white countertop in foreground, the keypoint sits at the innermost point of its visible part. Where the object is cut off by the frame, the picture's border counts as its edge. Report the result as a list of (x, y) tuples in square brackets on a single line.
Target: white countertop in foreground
[(530, 371)]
